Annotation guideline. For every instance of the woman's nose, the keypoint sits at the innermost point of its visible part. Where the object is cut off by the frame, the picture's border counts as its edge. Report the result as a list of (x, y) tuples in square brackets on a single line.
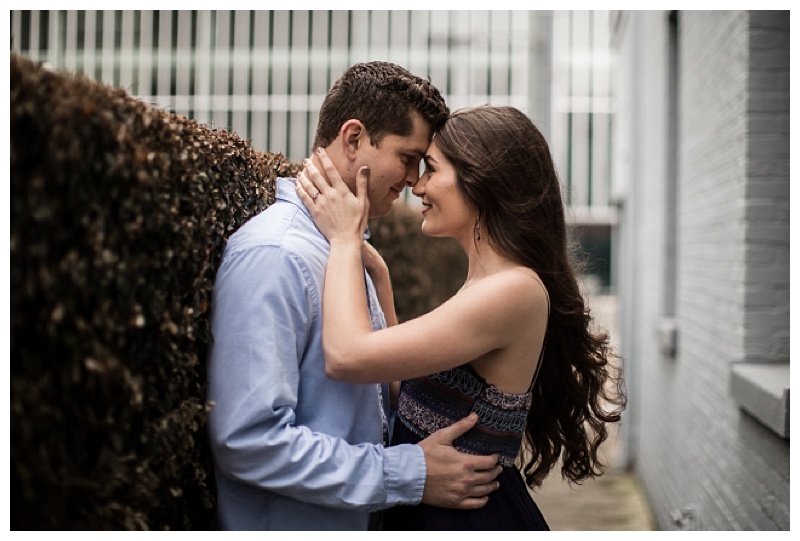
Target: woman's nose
[(419, 188)]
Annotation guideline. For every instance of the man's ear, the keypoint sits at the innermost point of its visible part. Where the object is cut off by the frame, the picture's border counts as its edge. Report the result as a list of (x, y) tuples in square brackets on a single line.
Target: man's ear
[(353, 133)]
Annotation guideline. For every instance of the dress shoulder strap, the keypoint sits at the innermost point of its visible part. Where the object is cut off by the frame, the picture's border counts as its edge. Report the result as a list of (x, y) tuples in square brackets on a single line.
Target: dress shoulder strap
[(544, 341)]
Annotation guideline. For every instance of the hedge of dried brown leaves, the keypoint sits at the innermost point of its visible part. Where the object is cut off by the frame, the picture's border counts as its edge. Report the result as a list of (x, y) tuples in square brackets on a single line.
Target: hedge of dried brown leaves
[(118, 214)]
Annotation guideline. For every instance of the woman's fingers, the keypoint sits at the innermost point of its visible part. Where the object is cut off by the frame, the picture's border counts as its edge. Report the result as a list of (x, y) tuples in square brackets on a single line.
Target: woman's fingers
[(330, 170), (315, 182), (305, 190)]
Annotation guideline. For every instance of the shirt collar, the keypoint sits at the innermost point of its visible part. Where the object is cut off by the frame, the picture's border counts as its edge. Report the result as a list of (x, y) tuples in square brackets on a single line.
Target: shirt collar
[(284, 189)]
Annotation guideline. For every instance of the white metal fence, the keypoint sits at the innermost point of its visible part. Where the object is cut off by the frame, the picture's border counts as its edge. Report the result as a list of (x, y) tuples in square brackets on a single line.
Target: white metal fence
[(263, 74)]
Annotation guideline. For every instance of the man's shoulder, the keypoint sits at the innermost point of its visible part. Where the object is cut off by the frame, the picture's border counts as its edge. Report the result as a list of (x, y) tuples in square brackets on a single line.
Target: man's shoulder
[(281, 227)]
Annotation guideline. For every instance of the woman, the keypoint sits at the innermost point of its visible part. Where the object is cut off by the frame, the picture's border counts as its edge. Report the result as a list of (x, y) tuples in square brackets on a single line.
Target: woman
[(513, 345)]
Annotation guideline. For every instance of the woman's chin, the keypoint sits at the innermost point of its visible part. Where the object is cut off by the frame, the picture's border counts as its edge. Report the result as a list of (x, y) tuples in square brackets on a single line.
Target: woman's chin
[(431, 231)]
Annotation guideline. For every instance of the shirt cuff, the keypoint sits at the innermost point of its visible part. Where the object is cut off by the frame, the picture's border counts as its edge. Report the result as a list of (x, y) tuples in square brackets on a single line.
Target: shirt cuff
[(404, 473)]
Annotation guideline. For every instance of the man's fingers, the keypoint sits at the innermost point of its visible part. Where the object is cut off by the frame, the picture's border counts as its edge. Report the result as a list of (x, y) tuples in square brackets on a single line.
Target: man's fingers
[(473, 503), (447, 435), (487, 467), (487, 477)]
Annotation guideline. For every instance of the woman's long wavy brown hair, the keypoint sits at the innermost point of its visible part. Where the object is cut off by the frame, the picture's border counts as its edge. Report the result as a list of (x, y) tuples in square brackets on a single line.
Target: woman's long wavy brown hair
[(505, 169)]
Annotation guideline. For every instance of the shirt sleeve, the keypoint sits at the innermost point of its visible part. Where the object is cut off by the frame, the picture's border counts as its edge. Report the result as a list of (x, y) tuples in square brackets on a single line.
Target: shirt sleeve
[(262, 314)]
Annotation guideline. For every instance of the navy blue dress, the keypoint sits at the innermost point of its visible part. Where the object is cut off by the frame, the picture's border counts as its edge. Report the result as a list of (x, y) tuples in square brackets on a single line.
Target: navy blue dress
[(429, 403)]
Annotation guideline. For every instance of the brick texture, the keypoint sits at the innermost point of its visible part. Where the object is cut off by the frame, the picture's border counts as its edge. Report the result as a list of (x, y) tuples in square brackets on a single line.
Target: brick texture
[(692, 446)]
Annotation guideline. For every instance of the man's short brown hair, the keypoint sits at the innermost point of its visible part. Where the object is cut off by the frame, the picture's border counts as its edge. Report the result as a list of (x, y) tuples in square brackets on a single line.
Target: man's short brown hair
[(381, 95)]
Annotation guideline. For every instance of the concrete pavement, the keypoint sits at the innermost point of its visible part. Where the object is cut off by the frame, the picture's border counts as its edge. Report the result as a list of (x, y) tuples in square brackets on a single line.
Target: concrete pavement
[(613, 501)]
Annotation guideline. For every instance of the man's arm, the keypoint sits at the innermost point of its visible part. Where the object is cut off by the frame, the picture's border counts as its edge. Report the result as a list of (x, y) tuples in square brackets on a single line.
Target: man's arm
[(261, 322)]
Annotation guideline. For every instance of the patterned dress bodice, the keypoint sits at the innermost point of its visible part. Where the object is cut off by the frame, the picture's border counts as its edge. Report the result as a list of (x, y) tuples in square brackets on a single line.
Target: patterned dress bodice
[(432, 402)]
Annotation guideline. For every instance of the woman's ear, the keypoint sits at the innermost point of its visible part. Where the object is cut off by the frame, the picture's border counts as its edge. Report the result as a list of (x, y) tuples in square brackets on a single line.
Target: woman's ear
[(352, 134)]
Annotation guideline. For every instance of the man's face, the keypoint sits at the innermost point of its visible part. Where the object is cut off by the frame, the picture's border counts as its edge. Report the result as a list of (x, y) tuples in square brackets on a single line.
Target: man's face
[(394, 164)]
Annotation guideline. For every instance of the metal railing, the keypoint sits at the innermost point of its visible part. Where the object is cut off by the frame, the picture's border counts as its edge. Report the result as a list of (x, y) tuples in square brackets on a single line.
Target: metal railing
[(264, 74)]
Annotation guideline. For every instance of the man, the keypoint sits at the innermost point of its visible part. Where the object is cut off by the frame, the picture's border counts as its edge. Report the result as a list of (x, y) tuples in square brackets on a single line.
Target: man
[(293, 449)]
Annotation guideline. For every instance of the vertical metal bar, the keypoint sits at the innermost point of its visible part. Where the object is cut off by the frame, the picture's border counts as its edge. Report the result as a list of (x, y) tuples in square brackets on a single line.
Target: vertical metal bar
[(580, 109), (107, 50), (55, 48), (500, 38), (349, 38), (359, 37), (260, 81), (220, 98), (319, 79), (569, 58), (33, 47), (541, 85), (590, 113), (419, 60), (339, 45), (601, 100), (164, 60), (379, 34), (89, 43), (509, 51), (270, 79), (460, 69), (203, 60), (309, 73), (71, 40), (16, 31), (474, 58), (182, 66), (279, 99), (241, 72), (437, 47), (520, 62), (126, 65), (448, 56), (146, 55), (398, 32), (250, 39), (298, 85)]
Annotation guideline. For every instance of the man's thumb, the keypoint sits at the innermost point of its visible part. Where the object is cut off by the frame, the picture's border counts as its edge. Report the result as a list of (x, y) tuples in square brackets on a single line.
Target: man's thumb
[(451, 433)]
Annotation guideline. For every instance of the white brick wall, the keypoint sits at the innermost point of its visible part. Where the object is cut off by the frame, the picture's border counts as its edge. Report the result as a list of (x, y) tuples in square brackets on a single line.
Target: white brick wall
[(692, 445), (766, 286)]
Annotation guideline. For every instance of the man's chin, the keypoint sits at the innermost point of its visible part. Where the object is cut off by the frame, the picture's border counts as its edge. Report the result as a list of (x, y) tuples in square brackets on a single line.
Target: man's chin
[(383, 209)]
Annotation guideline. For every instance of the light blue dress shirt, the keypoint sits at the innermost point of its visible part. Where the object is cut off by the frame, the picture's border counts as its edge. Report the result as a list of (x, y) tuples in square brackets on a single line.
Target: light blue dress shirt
[(293, 449)]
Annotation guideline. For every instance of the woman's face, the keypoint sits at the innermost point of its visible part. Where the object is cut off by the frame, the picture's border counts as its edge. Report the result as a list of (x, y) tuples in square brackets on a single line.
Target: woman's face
[(446, 212)]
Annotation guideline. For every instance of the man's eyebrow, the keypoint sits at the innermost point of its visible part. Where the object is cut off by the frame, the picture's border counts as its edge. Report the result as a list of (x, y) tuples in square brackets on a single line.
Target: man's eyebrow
[(419, 153)]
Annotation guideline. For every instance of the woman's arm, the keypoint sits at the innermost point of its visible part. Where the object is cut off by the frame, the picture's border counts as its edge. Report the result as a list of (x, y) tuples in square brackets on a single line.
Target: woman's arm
[(379, 271), (480, 319)]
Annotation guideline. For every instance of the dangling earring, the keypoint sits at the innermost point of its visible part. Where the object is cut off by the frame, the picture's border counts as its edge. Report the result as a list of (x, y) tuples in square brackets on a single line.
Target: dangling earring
[(478, 228)]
